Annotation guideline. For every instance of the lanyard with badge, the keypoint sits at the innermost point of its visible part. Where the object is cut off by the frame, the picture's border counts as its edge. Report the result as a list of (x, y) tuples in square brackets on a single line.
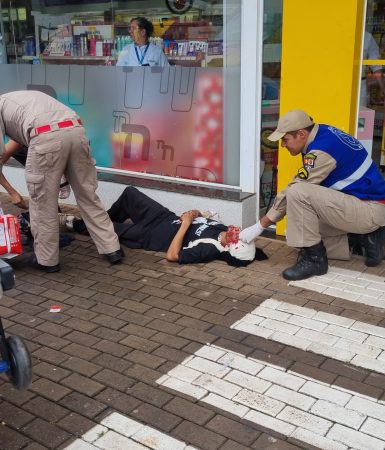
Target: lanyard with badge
[(141, 59)]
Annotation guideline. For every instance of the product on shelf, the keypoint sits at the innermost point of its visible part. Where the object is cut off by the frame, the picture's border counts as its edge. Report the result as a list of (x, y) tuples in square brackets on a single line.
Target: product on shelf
[(185, 40)]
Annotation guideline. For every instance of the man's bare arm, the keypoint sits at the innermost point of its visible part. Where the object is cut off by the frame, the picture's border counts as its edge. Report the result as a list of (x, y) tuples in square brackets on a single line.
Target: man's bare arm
[(176, 243), (10, 148), (16, 198)]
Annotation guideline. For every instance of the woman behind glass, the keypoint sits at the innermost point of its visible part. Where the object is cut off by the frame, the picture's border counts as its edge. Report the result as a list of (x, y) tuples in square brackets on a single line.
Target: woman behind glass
[(141, 52)]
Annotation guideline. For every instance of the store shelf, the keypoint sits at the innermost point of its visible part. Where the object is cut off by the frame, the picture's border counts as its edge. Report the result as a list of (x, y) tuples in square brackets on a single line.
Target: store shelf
[(83, 60), (192, 61), (183, 58)]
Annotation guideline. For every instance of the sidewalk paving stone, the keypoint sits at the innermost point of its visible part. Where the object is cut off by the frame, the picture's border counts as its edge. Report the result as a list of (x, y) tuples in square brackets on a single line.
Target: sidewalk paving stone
[(123, 328)]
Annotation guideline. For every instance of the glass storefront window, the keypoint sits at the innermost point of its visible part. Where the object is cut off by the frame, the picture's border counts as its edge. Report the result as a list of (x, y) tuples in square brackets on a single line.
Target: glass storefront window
[(15, 24), (168, 121), (372, 88), (271, 80)]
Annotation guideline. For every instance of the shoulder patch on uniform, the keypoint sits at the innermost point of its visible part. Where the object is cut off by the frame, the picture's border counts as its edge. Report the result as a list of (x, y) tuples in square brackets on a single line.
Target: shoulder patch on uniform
[(303, 173), (308, 160)]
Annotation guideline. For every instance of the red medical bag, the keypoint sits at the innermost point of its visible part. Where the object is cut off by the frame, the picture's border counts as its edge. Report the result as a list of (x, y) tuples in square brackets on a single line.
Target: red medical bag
[(10, 238)]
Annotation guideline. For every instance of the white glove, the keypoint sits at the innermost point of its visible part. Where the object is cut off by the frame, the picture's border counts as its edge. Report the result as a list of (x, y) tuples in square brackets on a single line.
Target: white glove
[(250, 233)]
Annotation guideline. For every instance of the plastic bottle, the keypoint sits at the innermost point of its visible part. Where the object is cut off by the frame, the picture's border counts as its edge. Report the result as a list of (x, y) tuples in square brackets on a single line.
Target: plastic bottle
[(81, 46), (128, 40), (99, 47), (85, 45), (92, 51), (75, 46)]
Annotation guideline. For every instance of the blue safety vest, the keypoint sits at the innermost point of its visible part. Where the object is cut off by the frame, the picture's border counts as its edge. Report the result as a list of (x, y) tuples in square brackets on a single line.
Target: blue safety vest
[(356, 173)]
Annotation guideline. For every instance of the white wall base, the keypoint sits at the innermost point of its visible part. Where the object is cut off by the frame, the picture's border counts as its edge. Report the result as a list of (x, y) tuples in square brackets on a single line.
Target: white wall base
[(231, 212)]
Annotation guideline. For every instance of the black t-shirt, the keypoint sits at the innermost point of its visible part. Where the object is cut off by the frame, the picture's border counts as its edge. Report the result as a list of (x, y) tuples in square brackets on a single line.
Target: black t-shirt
[(164, 232), (201, 228), (202, 252)]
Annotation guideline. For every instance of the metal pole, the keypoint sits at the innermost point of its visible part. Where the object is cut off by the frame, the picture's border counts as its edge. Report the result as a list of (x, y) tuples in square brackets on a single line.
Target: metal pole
[(3, 48)]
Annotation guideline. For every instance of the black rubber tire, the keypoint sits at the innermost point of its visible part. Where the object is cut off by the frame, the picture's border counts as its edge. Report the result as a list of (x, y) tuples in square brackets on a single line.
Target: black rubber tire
[(20, 373)]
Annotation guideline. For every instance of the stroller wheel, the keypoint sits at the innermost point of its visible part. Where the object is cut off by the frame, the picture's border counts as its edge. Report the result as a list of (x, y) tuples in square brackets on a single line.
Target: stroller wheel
[(20, 373)]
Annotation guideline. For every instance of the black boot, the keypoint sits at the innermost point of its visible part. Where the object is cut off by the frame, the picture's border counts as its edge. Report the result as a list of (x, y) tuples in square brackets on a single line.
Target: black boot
[(356, 243), (311, 261), (115, 257), (373, 244)]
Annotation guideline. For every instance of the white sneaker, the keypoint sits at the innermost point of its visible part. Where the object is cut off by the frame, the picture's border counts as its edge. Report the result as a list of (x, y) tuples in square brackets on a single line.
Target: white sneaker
[(67, 220), (65, 188)]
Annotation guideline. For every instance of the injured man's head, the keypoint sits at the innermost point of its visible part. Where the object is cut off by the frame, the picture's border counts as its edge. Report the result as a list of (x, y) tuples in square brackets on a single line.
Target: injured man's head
[(241, 250), (236, 252)]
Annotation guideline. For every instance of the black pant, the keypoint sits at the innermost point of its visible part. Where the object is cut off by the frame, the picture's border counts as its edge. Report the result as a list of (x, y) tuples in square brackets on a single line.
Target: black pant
[(144, 212), (21, 156)]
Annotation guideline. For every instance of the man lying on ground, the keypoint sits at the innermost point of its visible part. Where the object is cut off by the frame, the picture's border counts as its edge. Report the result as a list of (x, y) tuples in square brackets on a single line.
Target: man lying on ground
[(190, 238)]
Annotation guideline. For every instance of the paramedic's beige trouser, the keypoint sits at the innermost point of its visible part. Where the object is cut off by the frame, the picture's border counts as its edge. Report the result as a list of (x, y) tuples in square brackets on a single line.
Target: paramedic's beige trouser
[(49, 156), (315, 212)]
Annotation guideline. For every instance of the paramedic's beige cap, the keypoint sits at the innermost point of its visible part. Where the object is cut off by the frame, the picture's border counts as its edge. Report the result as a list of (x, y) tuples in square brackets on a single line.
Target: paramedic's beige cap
[(292, 121)]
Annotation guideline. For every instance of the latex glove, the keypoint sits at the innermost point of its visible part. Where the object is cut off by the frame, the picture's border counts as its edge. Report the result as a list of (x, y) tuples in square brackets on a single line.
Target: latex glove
[(250, 233)]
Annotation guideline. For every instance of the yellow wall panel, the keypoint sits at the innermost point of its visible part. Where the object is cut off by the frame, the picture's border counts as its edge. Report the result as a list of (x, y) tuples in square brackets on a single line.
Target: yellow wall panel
[(320, 72)]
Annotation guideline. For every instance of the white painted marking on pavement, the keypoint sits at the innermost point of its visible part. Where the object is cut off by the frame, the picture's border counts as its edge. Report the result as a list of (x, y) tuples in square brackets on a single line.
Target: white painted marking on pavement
[(117, 432), (337, 337), (297, 406), (292, 404), (352, 285)]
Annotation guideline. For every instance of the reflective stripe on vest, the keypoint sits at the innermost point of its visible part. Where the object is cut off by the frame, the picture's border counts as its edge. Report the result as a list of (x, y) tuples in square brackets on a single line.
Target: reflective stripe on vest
[(364, 167)]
